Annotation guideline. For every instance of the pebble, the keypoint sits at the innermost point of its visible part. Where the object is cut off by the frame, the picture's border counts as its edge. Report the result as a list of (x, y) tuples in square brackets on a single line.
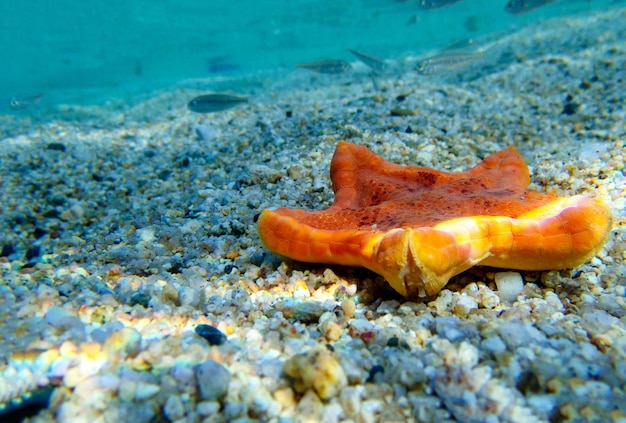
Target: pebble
[(350, 399), (258, 257), (191, 297), (306, 312), (126, 342), (349, 307), (174, 408), (144, 391), (331, 330), (59, 317), (510, 285), (213, 380), (310, 408), (207, 132), (207, 408), (317, 370), (516, 334), (212, 334)]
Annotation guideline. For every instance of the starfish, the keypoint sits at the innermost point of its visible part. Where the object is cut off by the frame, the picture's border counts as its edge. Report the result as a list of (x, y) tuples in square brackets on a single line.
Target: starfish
[(419, 227)]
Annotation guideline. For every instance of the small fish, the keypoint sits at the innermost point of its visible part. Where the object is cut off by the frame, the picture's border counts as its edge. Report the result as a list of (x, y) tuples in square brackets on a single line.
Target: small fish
[(19, 103), (448, 62), (460, 45), (436, 4), (399, 111), (518, 7), (373, 62), (412, 20), (330, 66), (221, 64), (209, 103)]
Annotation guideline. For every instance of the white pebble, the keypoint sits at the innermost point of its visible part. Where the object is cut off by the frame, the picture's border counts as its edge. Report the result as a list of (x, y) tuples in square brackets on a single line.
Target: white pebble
[(509, 284), (350, 399), (145, 391)]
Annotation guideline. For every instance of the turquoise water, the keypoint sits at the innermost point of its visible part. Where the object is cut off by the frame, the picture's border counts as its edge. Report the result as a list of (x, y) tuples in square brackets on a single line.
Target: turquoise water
[(83, 52)]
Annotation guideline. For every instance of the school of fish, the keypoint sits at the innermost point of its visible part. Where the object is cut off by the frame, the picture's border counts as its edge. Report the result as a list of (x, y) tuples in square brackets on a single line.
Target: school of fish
[(452, 58)]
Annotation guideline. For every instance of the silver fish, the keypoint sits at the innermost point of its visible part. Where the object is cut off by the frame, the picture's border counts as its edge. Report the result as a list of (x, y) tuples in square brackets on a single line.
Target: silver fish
[(518, 7), (19, 103), (330, 66), (373, 62), (464, 44), (451, 61), (209, 103), (435, 4)]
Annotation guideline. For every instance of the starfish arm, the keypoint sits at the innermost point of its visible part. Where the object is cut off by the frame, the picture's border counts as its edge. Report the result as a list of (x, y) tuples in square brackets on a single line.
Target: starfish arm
[(361, 178), (282, 233), (561, 234)]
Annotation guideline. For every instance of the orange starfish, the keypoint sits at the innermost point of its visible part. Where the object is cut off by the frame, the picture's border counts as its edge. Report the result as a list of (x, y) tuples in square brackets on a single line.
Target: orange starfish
[(418, 227)]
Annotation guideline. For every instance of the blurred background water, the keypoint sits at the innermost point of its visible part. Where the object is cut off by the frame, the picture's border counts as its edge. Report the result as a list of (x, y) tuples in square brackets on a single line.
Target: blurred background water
[(85, 51)]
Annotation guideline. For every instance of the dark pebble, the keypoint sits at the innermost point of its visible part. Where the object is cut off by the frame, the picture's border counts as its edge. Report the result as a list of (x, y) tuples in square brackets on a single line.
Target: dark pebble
[(213, 335), (33, 252), (273, 261), (528, 382), (401, 97), (65, 289), (288, 113), (393, 341), (408, 130), (149, 153), (164, 174), (176, 267), (56, 146), (51, 214), (97, 177), (140, 298), (570, 107), (257, 258), (7, 250), (58, 200), (374, 371), (39, 232)]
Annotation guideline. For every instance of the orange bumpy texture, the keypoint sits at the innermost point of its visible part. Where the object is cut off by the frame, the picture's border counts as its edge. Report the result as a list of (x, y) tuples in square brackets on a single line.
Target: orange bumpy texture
[(419, 227)]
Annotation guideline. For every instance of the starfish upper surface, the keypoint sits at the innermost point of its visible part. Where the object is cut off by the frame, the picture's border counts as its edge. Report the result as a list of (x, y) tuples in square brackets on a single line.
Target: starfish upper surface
[(418, 227)]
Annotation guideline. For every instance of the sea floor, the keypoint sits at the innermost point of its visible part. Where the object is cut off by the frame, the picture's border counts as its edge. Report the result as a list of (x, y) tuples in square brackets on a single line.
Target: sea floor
[(124, 228)]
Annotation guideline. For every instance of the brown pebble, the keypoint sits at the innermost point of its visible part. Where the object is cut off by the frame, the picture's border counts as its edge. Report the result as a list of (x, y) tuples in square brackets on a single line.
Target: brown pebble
[(170, 294)]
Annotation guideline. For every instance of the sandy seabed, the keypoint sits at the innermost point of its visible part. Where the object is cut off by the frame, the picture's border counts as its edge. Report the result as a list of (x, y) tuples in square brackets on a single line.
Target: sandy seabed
[(124, 228)]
